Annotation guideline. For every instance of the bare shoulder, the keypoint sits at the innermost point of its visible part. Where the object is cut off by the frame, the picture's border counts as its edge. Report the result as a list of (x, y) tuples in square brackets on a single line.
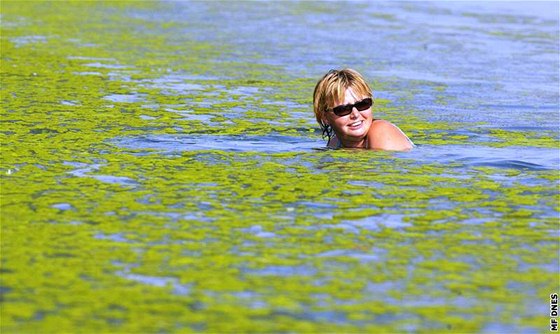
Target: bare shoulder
[(384, 135)]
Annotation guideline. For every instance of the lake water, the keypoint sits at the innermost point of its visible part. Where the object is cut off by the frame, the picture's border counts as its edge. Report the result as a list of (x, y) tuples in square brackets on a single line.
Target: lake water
[(162, 170)]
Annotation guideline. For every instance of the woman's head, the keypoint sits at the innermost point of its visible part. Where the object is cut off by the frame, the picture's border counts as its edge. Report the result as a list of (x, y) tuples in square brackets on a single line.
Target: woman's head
[(342, 87)]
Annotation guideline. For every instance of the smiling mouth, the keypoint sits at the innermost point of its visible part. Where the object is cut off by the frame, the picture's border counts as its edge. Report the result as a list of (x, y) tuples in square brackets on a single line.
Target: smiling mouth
[(355, 124)]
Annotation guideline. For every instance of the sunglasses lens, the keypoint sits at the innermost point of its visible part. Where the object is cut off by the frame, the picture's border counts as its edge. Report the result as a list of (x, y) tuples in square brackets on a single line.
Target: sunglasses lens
[(363, 104), (347, 109), (342, 110)]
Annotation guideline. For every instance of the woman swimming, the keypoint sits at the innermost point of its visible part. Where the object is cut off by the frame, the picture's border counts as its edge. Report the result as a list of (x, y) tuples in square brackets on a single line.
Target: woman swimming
[(342, 103)]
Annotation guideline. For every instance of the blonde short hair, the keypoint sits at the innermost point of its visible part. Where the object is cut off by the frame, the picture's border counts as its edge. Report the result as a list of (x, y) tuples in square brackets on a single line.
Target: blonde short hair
[(330, 90)]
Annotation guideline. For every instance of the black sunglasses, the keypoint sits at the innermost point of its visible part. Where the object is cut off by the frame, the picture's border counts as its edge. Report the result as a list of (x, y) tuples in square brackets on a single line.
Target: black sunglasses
[(347, 108)]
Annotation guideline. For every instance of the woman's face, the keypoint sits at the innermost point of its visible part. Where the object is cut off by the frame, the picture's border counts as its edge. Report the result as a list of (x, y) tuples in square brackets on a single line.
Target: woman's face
[(351, 129)]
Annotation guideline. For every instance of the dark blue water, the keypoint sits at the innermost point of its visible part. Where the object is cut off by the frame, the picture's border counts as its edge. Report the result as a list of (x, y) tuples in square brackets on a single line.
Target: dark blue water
[(531, 158)]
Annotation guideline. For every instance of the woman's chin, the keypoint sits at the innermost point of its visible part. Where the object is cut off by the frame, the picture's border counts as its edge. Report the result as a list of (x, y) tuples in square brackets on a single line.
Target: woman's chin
[(357, 133)]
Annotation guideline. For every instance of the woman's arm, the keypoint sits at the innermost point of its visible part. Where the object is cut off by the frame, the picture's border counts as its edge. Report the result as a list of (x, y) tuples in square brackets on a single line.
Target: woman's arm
[(384, 135)]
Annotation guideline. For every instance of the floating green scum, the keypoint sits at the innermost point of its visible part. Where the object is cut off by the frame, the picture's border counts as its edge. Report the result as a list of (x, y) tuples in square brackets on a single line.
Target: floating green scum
[(97, 237)]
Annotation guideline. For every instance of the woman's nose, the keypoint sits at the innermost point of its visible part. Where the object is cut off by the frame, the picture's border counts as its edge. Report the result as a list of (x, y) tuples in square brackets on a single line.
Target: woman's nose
[(355, 113)]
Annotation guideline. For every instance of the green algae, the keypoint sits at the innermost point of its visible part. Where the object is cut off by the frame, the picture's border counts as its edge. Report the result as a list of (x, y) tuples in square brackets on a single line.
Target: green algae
[(255, 242)]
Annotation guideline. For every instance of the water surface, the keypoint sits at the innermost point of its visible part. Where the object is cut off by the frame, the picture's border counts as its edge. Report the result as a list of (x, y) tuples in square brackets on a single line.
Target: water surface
[(162, 170)]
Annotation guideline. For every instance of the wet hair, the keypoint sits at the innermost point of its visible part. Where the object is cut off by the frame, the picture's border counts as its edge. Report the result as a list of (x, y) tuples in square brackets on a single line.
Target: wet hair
[(330, 90)]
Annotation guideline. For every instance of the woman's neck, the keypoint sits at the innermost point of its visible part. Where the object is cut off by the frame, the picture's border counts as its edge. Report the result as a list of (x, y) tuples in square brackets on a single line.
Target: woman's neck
[(355, 144)]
